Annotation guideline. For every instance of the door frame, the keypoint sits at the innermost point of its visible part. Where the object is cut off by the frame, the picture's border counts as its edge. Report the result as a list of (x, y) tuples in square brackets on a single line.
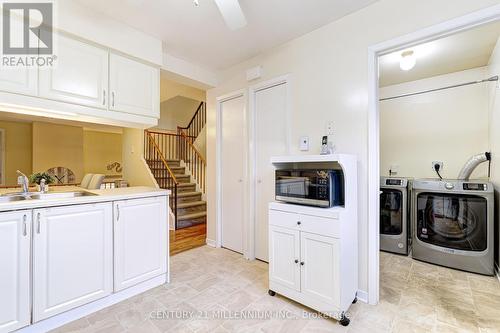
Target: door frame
[(440, 30), (218, 167), (252, 152)]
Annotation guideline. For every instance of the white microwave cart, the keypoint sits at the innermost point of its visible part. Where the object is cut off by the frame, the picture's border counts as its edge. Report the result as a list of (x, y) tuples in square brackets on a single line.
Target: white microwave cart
[(313, 252)]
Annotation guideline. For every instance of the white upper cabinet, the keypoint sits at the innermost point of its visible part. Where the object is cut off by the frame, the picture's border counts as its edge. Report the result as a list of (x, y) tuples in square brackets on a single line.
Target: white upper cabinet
[(72, 257), (15, 239), (19, 80), (80, 74), (141, 240), (134, 87)]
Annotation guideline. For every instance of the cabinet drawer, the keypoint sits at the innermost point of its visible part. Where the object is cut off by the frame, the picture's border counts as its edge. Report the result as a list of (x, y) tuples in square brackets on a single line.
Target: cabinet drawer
[(313, 224), (284, 219)]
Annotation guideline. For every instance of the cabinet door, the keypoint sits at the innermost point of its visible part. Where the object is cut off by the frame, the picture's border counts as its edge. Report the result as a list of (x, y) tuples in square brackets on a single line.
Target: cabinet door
[(134, 87), (80, 74), (320, 267), (20, 80), (284, 257), (141, 240), (72, 257), (15, 239)]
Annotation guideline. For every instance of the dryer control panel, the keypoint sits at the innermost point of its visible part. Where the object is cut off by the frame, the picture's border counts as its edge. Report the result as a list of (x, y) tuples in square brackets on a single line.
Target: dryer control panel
[(475, 187)]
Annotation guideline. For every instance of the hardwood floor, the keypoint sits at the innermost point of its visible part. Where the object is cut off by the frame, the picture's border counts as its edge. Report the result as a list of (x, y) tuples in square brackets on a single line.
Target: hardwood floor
[(187, 238)]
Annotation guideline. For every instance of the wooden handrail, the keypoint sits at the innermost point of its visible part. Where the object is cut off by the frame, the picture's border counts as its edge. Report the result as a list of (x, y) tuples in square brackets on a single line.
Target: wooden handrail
[(194, 148), (164, 161)]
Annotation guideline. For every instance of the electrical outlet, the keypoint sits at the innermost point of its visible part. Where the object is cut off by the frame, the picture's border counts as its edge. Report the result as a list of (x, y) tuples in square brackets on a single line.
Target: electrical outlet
[(393, 169), (304, 143), (438, 163), (329, 128)]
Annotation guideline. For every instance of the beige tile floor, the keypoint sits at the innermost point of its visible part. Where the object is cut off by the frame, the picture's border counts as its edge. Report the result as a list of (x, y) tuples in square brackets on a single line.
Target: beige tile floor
[(415, 297)]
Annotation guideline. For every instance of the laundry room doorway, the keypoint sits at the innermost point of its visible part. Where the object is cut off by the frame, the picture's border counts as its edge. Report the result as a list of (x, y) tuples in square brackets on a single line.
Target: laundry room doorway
[(432, 118)]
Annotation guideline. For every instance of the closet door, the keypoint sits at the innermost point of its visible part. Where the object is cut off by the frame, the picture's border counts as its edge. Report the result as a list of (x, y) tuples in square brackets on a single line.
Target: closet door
[(233, 170), (270, 140)]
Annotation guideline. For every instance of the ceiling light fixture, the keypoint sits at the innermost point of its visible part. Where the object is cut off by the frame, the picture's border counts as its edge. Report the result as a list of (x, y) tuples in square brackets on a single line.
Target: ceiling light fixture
[(196, 3), (408, 60)]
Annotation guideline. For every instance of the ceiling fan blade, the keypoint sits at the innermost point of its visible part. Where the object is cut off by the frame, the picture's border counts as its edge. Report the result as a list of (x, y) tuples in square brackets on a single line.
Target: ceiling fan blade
[(232, 13)]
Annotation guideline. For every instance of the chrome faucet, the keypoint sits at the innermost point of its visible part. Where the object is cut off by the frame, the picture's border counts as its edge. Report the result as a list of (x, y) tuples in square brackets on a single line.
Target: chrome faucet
[(23, 181)]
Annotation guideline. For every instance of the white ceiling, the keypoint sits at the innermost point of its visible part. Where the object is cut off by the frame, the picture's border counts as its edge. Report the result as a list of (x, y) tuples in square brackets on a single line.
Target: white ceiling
[(199, 34), (465, 50)]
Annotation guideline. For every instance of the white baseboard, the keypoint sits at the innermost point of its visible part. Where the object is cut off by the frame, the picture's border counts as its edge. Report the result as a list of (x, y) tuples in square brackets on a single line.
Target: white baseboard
[(84, 310), (362, 296), (211, 243)]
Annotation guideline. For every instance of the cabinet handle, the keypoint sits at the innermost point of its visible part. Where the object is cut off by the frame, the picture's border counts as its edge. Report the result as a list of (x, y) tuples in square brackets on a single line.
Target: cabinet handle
[(38, 223), (299, 223), (103, 97), (25, 227), (113, 98), (117, 212), (302, 263), (296, 261)]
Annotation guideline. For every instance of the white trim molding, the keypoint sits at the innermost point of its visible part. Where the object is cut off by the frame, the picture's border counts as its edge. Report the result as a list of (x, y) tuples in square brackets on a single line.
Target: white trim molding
[(434, 32), (211, 242)]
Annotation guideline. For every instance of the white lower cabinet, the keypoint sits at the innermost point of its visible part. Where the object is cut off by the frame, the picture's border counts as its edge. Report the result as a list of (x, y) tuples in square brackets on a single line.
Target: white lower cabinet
[(319, 257), (305, 262), (284, 255), (15, 245), (72, 257), (141, 240)]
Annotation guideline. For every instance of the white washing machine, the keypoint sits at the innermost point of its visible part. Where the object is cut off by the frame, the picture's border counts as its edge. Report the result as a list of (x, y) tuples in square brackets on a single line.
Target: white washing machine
[(394, 215), (453, 224)]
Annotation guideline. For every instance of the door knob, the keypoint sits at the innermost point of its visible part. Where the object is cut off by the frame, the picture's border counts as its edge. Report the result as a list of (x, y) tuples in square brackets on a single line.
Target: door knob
[(296, 261), (240, 180), (299, 223), (302, 263), (259, 181)]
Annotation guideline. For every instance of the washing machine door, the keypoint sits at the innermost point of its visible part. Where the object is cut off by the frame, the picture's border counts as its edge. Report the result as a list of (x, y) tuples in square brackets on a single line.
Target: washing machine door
[(391, 212), (454, 221)]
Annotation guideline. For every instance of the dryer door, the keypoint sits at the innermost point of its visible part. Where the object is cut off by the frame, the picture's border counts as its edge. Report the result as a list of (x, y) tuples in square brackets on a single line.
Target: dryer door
[(391, 212), (455, 221)]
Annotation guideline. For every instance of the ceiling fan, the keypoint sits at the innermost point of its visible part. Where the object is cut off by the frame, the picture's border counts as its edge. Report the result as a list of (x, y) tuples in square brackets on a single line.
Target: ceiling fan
[(231, 12)]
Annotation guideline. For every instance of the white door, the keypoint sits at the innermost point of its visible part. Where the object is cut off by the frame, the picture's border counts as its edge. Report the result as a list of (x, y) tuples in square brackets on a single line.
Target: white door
[(233, 162), (72, 257), (80, 74), (141, 240), (134, 87), (270, 140), (284, 257), (320, 267), (15, 240)]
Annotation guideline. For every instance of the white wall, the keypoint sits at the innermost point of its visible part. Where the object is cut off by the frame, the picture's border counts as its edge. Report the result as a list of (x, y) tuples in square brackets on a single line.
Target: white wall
[(176, 111), (329, 69), (449, 125), (494, 108)]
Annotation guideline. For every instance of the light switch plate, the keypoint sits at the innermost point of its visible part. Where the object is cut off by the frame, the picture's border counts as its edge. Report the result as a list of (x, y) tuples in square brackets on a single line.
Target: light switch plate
[(304, 143)]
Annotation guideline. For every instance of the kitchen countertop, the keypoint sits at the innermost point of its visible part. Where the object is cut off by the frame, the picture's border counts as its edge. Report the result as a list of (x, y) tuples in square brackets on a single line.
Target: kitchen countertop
[(105, 195)]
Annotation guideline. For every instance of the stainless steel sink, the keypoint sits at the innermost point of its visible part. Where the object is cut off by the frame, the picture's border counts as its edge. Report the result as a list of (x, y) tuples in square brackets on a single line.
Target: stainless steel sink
[(11, 198), (61, 195)]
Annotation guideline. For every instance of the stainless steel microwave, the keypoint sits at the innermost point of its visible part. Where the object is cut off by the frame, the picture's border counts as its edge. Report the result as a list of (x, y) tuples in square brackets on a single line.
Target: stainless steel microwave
[(312, 187)]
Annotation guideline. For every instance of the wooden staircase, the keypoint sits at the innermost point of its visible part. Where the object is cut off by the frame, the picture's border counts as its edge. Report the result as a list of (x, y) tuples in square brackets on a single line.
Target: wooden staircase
[(179, 167)]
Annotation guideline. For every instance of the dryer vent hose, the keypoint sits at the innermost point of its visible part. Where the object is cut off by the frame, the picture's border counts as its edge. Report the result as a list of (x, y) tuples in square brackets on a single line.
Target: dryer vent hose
[(472, 164)]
